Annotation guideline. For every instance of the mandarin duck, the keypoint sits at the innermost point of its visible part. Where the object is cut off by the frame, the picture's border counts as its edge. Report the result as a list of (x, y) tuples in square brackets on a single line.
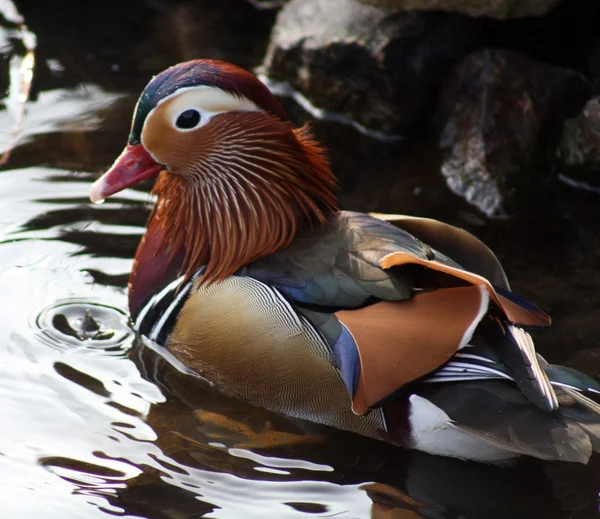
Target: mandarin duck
[(397, 328)]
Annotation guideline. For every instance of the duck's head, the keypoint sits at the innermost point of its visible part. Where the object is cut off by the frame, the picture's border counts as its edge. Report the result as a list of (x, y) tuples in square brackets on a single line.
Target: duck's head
[(236, 180)]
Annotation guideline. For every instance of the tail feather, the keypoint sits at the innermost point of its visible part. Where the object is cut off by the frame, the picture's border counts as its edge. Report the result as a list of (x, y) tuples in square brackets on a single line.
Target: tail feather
[(517, 351), (503, 414), (581, 410), (593, 432), (568, 377), (498, 413), (539, 379), (578, 407)]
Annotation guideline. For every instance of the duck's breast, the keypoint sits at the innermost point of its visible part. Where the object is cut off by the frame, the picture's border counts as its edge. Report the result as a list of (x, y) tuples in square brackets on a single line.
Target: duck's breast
[(246, 337)]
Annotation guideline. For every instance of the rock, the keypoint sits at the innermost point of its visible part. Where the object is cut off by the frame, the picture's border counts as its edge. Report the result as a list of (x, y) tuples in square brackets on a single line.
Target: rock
[(579, 149), (228, 30), (501, 9), (267, 4), (364, 63), (502, 113), (593, 64)]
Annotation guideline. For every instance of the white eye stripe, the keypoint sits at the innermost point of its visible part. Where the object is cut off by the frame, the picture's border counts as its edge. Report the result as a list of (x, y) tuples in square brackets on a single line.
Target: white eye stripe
[(208, 101)]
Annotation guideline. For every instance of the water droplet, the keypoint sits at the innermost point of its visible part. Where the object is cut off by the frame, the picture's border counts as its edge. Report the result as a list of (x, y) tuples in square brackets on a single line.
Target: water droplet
[(85, 326)]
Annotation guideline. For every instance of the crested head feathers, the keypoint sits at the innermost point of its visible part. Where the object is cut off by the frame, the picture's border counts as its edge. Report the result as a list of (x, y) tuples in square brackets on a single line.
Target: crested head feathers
[(239, 184), (206, 72)]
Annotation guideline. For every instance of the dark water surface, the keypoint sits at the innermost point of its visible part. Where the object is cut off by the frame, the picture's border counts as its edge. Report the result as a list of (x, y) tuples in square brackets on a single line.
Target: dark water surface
[(95, 424)]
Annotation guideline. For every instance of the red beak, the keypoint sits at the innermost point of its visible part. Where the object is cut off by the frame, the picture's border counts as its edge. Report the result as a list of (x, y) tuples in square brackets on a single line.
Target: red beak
[(132, 166)]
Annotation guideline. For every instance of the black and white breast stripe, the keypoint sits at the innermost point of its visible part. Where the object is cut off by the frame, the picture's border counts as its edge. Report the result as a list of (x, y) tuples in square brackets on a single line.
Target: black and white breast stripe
[(157, 317)]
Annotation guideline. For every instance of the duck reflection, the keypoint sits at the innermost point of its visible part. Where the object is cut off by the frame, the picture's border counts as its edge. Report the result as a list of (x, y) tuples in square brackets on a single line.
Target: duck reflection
[(242, 461)]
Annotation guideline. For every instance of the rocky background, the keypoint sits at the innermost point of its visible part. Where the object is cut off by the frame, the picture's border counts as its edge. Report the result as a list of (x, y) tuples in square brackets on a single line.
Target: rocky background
[(505, 99), (482, 113)]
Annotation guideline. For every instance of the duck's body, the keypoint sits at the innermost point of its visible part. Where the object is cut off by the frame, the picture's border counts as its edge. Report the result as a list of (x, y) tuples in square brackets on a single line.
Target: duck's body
[(250, 275)]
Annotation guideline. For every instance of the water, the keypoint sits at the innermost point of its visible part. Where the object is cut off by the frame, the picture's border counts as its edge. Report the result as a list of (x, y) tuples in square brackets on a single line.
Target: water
[(96, 424)]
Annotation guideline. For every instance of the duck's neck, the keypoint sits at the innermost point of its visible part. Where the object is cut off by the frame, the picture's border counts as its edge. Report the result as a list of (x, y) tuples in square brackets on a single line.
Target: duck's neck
[(247, 199), (156, 264)]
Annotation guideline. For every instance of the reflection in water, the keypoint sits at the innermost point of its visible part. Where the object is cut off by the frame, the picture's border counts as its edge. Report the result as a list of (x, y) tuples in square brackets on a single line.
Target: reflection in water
[(20, 67), (64, 110)]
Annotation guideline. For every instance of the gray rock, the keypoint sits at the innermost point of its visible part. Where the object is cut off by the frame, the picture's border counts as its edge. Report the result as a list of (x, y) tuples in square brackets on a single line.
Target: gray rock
[(579, 149), (228, 30), (365, 63), (267, 4), (501, 9), (593, 63), (502, 113)]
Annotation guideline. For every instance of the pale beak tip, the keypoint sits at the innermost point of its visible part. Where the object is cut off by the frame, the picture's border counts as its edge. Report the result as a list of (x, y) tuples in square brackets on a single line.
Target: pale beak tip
[(96, 194)]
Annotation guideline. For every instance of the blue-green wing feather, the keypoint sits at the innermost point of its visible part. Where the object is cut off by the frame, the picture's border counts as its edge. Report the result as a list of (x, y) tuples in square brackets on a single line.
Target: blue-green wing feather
[(338, 265)]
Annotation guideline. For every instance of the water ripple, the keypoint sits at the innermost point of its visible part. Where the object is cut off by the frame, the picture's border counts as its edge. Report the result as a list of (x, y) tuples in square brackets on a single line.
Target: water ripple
[(88, 328)]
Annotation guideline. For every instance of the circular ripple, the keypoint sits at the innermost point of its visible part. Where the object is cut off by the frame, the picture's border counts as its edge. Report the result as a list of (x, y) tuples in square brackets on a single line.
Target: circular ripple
[(89, 327)]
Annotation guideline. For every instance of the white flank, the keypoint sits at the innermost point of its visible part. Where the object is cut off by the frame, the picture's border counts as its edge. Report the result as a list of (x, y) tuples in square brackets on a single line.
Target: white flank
[(433, 431)]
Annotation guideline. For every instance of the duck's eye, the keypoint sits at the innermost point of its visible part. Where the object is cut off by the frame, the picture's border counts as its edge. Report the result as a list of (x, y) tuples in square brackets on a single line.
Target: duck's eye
[(188, 119)]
